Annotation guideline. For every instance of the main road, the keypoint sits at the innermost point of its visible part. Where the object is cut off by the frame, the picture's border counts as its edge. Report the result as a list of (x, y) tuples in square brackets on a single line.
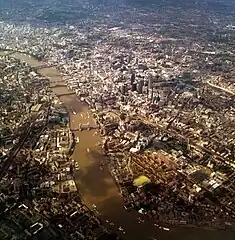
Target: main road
[(96, 186)]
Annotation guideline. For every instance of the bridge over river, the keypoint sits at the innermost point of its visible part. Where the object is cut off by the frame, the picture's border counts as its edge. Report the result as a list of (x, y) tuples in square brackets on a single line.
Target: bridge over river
[(97, 187)]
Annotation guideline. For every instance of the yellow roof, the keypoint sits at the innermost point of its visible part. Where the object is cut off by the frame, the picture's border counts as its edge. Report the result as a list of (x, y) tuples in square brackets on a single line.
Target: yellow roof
[(36, 107), (63, 150), (141, 181)]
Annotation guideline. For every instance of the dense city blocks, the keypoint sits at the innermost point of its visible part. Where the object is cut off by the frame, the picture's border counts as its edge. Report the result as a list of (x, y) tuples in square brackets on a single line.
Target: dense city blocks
[(117, 119)]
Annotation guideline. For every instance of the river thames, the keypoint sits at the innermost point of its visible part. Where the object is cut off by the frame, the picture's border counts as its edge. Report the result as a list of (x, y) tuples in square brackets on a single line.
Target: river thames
[(96, 186)]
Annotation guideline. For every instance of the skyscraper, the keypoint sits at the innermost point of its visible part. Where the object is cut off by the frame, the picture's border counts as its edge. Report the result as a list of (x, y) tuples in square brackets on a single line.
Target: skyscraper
[(150, 81), (134, 86), (132, 78), (123, 89), (140, 86)]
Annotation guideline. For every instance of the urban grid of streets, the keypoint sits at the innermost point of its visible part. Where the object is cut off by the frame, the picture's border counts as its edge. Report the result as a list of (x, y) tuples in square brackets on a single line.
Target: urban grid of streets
[(160, 82)]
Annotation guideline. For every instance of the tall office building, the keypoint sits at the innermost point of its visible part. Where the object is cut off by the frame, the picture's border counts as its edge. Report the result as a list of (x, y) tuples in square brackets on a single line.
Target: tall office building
[(150, 81), (132, 78), (150, 94), (122, 59), (136, 60), (134, 86), (129, 59), (140, 86), (123, 89)]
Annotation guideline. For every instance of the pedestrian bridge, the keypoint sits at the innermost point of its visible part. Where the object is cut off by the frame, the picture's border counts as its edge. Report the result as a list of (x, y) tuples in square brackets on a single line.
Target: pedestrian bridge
[(8, 53), (58, 85), (44, 66), (65, 94)]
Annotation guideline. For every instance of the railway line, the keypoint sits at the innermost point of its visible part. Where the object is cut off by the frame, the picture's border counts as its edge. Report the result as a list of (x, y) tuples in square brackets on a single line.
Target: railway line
[(16, 148)]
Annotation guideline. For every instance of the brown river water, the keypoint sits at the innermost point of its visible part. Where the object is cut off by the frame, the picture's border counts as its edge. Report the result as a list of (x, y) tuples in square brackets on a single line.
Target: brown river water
[(97, 187)]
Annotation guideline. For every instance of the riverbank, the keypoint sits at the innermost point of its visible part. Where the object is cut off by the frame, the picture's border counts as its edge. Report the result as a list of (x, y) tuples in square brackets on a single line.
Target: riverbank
[(97, 187)]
